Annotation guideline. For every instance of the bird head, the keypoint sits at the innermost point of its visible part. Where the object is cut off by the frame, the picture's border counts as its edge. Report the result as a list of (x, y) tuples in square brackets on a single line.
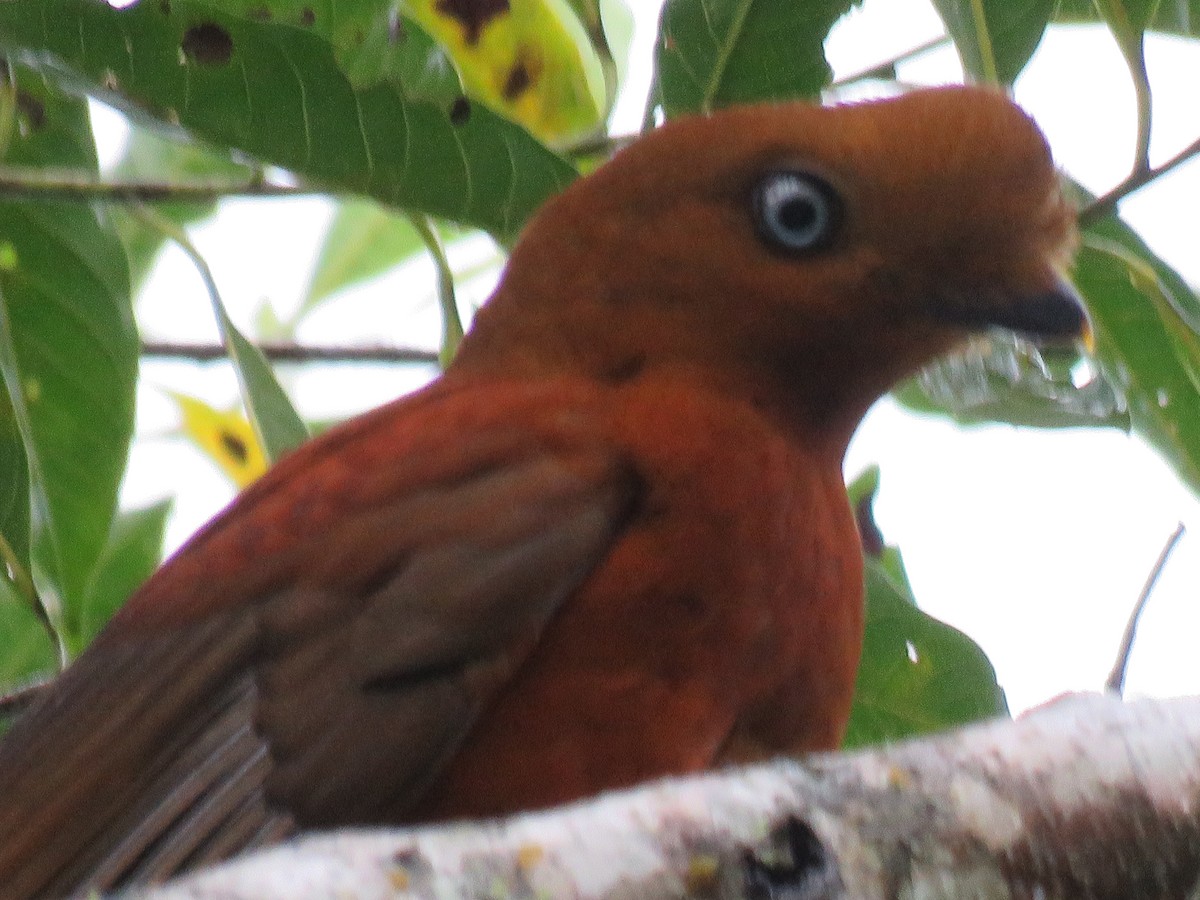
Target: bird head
[(807, 257)]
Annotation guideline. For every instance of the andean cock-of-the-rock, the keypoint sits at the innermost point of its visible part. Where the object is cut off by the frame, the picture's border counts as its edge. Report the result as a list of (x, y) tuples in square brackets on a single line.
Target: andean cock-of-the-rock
[(610, 543)]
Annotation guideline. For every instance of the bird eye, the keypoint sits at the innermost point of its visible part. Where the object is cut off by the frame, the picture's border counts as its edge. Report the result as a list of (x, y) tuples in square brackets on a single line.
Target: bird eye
[(795, 211)]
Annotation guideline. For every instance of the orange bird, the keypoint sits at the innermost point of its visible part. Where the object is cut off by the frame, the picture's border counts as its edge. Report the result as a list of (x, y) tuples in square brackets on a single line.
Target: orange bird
[(611, 543)]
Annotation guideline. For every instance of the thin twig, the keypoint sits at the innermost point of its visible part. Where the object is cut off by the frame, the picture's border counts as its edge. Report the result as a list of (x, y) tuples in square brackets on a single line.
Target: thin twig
[(599, 145), (46, 184), (20, 698), (886, 69), (1131, 41), (292, 353), (1116, 678), (1137, 180), (452, 328)]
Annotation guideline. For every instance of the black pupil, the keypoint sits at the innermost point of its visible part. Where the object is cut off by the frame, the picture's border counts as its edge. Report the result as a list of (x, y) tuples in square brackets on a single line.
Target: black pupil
[(798, 214)]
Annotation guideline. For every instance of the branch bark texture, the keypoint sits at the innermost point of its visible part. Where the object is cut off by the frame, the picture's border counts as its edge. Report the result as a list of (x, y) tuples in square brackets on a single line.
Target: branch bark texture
[(1087, 797)]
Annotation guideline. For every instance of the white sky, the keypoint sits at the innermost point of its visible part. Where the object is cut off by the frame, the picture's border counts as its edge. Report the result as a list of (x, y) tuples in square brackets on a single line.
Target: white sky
[(1035, 543)]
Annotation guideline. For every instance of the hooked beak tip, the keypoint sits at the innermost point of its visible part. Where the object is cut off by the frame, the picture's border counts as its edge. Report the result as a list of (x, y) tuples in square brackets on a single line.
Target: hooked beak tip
[(1052, 316), (1056, 314)]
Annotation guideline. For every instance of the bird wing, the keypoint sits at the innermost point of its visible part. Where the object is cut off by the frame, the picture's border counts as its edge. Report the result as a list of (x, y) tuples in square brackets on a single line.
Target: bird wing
[(453, 602), (351, 666)]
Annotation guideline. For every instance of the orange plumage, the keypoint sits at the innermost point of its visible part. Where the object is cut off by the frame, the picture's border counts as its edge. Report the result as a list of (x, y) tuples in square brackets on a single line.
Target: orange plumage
[(610, 543)]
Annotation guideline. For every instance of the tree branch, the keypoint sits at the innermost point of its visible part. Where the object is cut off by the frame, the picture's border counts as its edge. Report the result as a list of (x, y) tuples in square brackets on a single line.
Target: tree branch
[(887, 68), (1138, 179), (292, 353), (1116, 678), (1086, 797), (50, 184), (599, 145)]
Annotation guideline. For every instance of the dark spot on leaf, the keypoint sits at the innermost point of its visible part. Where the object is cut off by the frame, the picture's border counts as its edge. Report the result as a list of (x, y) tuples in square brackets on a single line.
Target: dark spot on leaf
[(518, 81), (259, 14), (472, 15), (308, 18), (235, 447), (460, 111), (207, 45), (32, 110), (164, 7)]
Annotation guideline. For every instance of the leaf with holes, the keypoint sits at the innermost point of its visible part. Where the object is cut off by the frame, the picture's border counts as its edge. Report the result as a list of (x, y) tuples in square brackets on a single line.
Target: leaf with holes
[(278, 93), (715, 53), (532, 62), (370, 40)]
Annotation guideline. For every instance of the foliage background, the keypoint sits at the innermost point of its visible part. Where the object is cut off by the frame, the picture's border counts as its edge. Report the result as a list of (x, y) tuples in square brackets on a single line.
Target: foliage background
[(331, 95)]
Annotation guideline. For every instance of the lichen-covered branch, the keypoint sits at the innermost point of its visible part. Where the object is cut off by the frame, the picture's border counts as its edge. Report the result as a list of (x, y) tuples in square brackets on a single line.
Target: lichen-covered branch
[(1086, 797)]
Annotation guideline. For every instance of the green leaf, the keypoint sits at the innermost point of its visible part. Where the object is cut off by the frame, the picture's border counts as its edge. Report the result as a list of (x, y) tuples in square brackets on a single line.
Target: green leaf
[(278, 93), (71, 346), (917, 674), (1180, 17), (25, 648), (363, 240), (373, 44), (617, 28), (370, 41), (276, 422), (1006, 379), (609, 25), (716, 53), (15, 510), (131, 554), (995, 38), (1147, 326)]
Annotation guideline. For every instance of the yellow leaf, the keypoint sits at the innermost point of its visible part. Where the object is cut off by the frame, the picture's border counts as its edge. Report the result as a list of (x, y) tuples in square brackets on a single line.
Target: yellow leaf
[(530, 60), (226, 438)]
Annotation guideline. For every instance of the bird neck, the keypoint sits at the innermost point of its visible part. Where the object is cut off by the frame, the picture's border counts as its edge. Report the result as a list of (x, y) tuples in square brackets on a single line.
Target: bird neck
[(815, 387)]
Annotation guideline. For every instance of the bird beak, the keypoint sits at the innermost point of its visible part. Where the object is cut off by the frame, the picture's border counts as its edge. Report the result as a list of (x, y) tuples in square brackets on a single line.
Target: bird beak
[(1054, 316)]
